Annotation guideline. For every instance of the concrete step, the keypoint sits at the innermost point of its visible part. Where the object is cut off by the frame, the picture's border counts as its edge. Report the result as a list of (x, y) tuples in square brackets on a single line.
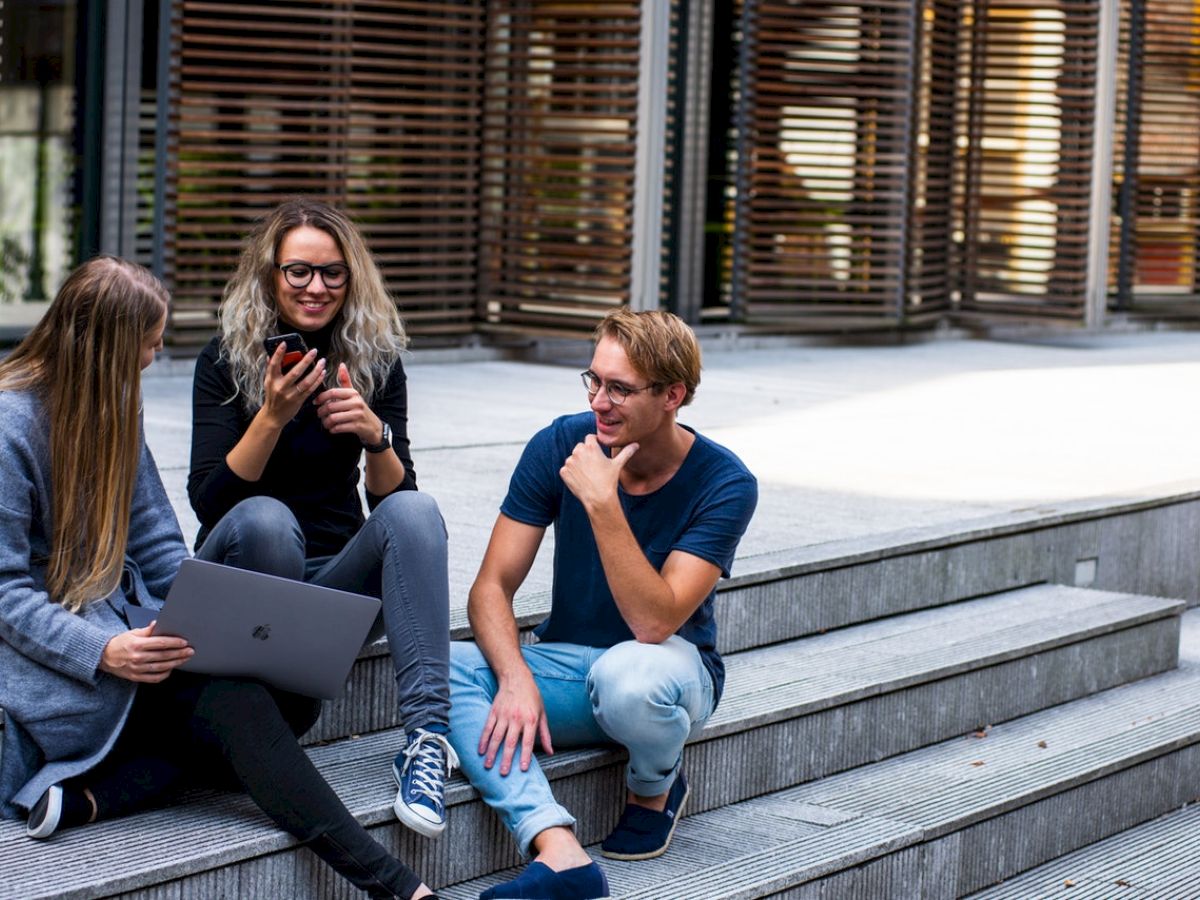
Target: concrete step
[(944, 821), (792, 713), (1160, 859), (753, 610)]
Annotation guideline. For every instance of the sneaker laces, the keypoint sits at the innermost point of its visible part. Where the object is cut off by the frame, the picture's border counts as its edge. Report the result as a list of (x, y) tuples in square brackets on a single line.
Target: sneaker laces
[(431, 759)]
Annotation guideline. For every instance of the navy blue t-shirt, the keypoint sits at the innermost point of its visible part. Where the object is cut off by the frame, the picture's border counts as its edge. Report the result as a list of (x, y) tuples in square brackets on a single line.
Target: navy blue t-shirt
[(703, 510)]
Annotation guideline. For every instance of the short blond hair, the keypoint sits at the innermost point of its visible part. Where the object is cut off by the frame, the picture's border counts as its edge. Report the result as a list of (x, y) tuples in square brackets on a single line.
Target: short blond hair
[(660, 346)]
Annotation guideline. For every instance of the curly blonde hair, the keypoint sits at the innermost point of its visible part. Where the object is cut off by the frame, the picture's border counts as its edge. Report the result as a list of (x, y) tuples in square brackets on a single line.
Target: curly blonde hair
[(368, 336)]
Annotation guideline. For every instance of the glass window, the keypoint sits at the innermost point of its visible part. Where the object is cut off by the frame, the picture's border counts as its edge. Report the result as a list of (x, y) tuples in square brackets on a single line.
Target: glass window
[(37, 155)]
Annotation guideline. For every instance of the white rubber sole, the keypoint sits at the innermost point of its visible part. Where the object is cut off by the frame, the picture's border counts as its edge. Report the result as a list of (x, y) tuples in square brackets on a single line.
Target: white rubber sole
[(53, 815), (420, 825)]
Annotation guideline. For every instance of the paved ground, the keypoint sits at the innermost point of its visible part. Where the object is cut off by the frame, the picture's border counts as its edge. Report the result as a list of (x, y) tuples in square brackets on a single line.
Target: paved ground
[(847, 442)]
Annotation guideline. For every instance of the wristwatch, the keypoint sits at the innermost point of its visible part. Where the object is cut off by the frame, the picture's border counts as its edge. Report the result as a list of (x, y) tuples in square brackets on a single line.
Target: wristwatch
[(384, 442)]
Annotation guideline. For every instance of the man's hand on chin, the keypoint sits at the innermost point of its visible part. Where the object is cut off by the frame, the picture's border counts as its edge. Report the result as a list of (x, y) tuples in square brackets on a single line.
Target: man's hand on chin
[(590, 474)]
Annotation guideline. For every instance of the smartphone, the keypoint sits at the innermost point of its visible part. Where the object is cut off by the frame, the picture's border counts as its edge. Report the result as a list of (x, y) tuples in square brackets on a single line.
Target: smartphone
[(295, 348)]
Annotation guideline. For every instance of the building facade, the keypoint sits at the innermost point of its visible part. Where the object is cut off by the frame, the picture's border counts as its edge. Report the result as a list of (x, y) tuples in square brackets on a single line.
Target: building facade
[(521, 166)]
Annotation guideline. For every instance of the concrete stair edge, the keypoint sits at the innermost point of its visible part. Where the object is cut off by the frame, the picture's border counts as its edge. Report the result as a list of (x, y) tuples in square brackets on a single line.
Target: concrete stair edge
[(788, 838), (351, 765)]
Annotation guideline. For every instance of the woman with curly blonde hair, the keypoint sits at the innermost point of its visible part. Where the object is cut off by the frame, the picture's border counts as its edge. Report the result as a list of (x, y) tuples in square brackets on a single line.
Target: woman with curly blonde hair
[(276, 445), (100, 721)]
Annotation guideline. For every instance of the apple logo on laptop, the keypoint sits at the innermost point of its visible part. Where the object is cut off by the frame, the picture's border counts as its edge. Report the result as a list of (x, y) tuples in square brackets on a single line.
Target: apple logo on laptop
[(261, 632)]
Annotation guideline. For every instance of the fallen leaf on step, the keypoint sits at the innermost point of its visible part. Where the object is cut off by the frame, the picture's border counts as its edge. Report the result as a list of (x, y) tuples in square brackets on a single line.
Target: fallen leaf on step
[(1042, 744), (978, 762), (1121, 882)]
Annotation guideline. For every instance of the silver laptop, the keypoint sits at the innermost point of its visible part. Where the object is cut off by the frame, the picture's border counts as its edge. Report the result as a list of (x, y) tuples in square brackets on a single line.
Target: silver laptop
[(296, 636)]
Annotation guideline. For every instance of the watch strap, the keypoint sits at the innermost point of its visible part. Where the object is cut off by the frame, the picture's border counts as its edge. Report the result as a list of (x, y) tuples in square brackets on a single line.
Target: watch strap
[(384, 442)]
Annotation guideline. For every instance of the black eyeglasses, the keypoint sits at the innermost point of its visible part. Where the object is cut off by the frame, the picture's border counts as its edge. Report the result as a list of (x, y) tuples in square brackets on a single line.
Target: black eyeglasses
[(616, 392), (299, 274)]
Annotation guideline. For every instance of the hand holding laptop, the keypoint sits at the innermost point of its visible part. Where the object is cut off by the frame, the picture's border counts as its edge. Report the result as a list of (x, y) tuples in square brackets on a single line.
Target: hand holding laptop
[(296, 636), (142, 656)]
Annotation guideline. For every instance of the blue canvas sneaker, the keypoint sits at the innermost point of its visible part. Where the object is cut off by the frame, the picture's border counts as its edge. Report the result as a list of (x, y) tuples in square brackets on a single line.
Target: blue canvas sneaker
[(421, 770), (643, 833)]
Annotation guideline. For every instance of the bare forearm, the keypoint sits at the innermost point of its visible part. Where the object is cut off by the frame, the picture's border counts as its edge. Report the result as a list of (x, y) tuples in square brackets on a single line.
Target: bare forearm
[(385, 472), (248, 458), (644, 598), (496, 633)]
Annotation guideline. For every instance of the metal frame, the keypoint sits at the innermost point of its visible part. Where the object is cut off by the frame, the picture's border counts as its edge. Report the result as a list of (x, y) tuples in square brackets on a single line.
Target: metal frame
[(1100, 207), (119, 139), (649, 166), (161, 134), (691, 174)]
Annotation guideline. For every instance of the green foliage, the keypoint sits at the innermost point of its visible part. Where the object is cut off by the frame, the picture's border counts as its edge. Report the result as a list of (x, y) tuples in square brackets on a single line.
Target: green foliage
[(13, 263)]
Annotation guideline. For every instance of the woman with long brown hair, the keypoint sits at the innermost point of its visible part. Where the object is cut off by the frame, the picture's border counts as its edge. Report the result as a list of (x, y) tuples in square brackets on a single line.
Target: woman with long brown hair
[(99, 722)]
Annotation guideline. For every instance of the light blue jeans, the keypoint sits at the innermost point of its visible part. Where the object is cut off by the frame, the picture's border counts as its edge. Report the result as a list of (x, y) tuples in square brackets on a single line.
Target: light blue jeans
[(399, 555), (648, 698)]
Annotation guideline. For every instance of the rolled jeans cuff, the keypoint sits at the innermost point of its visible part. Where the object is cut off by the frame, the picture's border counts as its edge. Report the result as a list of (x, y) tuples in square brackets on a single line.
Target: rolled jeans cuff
[(653, 788), (538, 821)]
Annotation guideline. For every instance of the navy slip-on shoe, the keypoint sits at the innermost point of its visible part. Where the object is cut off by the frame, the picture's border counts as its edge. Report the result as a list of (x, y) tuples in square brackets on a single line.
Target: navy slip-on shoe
[(540, 882), (643, 833)]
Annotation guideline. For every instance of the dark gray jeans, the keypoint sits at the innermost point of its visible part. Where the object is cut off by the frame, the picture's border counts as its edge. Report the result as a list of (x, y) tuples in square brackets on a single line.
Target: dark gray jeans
[(399, 556)]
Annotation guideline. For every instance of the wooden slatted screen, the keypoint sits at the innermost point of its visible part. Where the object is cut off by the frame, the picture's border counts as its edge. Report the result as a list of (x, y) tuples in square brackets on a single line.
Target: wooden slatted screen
[(824, 157), (1027, 119), (1155, 263), (930, 276), (560, 126), (374, 106)]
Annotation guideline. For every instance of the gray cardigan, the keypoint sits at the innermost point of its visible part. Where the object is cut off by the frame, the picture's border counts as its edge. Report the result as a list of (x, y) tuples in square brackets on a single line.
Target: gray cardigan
[(62, 713)]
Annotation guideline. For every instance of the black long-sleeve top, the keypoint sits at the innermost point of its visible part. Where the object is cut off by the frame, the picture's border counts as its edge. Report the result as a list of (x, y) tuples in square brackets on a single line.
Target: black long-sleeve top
[(313, 472)]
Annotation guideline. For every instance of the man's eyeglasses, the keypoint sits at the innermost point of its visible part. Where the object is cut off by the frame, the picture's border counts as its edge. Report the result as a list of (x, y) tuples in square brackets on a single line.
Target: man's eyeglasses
[(616, 392), (299, 274)]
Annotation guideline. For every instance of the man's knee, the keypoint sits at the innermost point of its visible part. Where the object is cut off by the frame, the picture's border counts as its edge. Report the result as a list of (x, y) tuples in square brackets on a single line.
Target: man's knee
[(633, 685), (625, 681)]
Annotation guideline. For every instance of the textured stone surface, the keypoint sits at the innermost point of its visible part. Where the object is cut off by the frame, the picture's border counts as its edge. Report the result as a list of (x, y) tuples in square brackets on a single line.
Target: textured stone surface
[(792, 713), (1160, 859), (948, 819)]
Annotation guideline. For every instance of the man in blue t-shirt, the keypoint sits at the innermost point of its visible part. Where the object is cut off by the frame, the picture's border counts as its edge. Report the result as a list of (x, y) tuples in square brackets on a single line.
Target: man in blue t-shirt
[(647, 516)]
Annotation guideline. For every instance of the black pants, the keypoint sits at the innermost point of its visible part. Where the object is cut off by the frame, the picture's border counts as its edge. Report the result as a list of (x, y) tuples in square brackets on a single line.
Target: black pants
[(231, 733)]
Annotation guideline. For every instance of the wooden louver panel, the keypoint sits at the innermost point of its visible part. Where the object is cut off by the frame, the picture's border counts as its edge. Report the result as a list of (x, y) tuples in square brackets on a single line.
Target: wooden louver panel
[(373, 106), (930, 275), (1027, 117), (560, 120), (1155, 263), (824, 161)]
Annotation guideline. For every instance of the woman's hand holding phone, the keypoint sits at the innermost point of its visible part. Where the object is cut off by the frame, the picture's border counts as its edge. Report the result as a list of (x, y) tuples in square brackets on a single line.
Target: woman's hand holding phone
[(286, 391)]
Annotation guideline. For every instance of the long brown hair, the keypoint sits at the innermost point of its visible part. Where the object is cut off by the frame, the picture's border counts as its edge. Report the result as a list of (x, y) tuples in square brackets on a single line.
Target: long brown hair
[(83, 359), (368, 336)]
